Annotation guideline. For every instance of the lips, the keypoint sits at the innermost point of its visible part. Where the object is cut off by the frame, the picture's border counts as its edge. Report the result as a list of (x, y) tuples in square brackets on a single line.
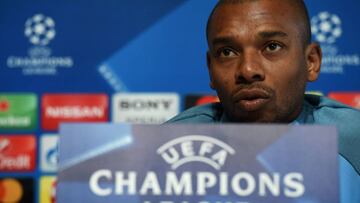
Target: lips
[(251, 99)]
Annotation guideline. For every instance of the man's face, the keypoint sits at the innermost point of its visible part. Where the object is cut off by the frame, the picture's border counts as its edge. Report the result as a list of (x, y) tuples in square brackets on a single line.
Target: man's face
[(257, 61)]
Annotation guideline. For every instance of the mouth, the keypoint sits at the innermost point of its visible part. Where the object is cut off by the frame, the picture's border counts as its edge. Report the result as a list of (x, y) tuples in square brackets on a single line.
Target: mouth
[(251, 99)]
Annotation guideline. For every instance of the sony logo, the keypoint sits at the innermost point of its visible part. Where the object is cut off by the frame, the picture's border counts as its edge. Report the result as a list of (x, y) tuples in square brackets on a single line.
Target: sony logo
[(145, 104)]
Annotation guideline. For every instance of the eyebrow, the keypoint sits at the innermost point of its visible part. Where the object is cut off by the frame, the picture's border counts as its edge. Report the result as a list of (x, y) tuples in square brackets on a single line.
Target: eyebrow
[(271, 34), (263, 34), (223, 40)]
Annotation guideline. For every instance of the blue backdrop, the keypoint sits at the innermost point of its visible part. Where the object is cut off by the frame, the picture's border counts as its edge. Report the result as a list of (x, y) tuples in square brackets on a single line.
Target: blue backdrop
[(147, 46), (143, 46)]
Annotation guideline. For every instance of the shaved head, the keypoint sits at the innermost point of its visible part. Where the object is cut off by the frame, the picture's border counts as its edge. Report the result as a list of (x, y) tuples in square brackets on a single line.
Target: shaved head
[(300, 8)]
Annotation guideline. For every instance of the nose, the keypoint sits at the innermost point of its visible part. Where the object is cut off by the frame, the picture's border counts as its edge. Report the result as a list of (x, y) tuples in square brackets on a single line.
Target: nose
[(250, 68)]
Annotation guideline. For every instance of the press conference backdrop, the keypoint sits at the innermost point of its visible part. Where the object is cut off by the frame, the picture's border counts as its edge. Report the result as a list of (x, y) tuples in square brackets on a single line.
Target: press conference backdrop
[(135, 61)]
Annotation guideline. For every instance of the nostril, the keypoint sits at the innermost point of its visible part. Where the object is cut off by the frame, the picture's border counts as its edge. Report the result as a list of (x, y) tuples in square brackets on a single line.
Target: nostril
[(257, 77), (245, 78)]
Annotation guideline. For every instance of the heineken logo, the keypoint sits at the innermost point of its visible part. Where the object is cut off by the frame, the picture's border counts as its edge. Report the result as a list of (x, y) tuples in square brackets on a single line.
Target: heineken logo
[(4, 105), (18, 111)]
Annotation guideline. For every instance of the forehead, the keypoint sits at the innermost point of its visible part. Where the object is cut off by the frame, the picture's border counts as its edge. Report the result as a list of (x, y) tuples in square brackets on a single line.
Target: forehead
[(250, 16)]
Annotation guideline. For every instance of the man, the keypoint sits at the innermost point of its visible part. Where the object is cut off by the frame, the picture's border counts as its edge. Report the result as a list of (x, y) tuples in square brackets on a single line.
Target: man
[(259, 60)]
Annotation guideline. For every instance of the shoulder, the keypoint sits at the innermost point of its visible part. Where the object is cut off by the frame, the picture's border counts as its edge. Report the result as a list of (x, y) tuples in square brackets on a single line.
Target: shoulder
[(347, 121), (208, 113), (328, 111)]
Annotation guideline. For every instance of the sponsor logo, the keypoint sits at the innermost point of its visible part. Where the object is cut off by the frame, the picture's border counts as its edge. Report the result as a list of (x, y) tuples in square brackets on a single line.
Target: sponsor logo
[(189, 150), (47, 191), (144, 108), (4, 144), (4, 105), (18, 111), (195, 100), (16, 190), (326, 28), (40, 30), (17, 153), (349, 98), (53, 192), (49, 153), (78, 112), (58, 108), (207, 153)]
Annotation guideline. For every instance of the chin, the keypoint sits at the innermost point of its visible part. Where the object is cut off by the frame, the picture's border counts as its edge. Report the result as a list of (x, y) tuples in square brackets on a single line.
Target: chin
[(259, 116), (251, 117)]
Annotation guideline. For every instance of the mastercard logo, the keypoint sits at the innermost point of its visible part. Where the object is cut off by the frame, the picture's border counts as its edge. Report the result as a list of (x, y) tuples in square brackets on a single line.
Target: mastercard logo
[(10, 190)]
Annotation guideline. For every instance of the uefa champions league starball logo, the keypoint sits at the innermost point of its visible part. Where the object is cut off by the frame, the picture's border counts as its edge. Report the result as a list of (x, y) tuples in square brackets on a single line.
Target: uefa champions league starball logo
[(40, 29), (326, 27)]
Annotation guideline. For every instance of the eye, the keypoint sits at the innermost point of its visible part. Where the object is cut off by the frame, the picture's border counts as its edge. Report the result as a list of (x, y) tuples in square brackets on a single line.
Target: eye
[(273, 47), (226, 52)]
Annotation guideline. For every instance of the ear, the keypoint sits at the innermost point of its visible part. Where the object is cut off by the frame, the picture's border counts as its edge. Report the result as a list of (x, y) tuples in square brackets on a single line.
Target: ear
[(313, 58), (209, 64)]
